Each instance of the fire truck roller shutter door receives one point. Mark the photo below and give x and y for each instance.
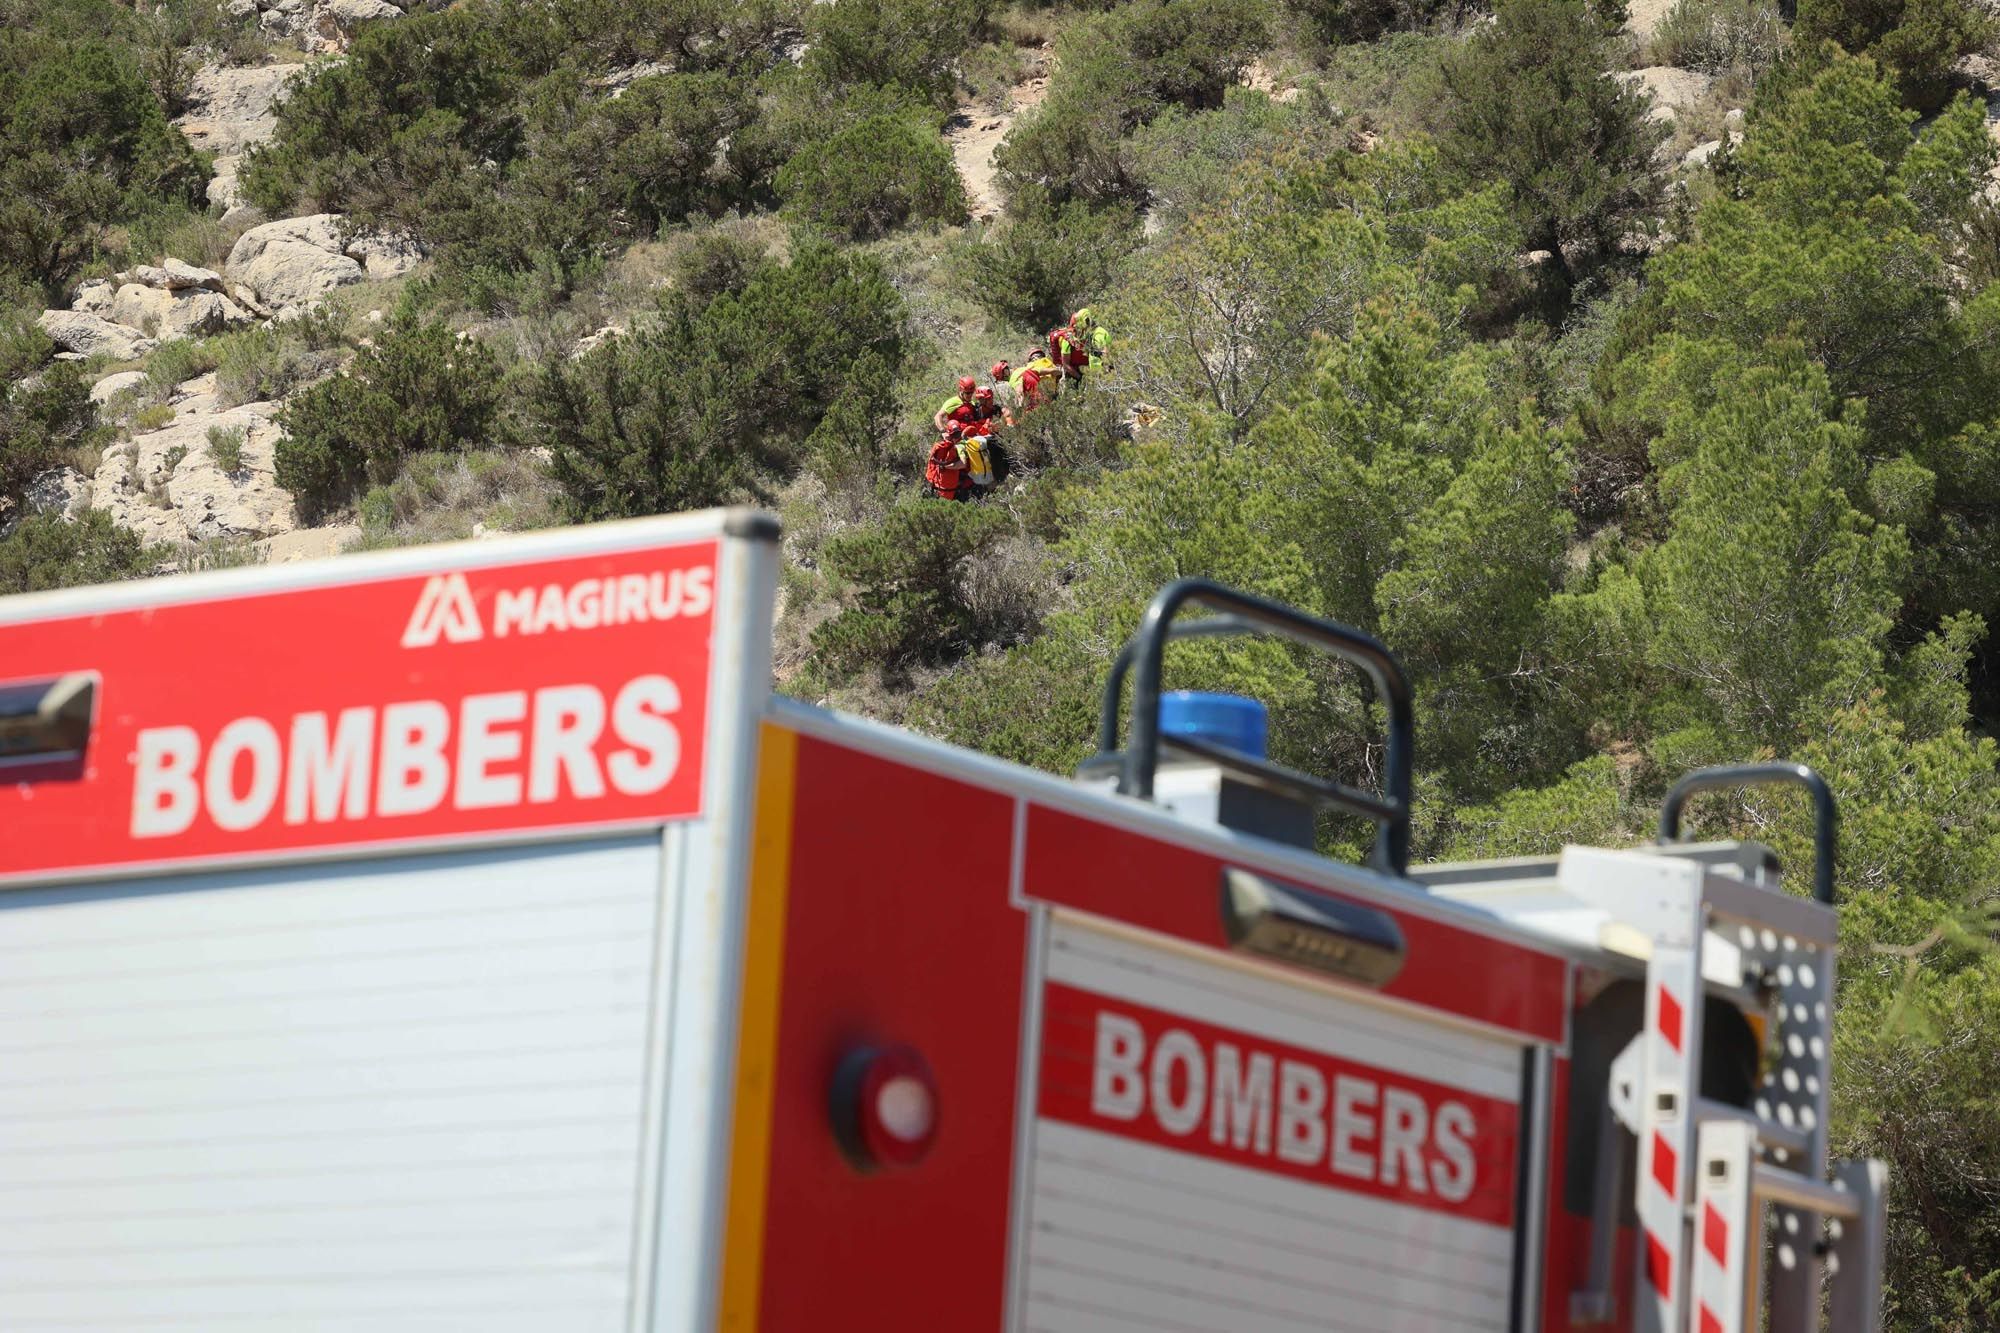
(1319, 1150)
(385, 1094)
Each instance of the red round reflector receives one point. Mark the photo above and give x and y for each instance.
(885, 1107)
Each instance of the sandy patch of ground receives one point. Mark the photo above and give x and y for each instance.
(973, 135)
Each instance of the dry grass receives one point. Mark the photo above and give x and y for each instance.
(448, 497)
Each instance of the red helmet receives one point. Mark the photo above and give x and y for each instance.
(1001, 369)
(965, 383)
(953, 429)
(984, 393)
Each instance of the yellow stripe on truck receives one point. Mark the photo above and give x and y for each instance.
(756, 1053)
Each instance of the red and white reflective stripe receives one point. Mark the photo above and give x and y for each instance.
(1724, 1233)
(1673, 981)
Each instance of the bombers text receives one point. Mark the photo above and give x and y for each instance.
(514, 747)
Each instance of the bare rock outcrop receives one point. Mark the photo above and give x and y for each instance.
(230, 111)
(1673, 90)
(323, 25)
(293, 262)
(95, 298)
(308, 543)
(111, 386)
(62, 491)
(170, 313)
(385, 255)
(168, 485)
(176, 275)
(85, 334)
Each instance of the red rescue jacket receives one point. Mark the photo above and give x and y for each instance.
(946, 469)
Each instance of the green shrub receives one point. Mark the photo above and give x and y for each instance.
(775, 357)
(420, 388)
(874, 176)
(590, 172)
(52, 219)
(1391, 85)
(912, 44)
(89, 103)
(1116, 73)
(1190, 161)
(714, 393)
(1043, 262)
(1916, 41)
(172, 364)
(714, 262)
(1338, 23)
(84, 144)
(442, 496)
(906, 587)
(414, 106)
(1529, 104)
(48, 551)
(990, 71)
(225, 446)
(151, 418)
(1078, 434)
(631, 434)
(654, 147)
(260, 365)
(23, 345)
(41, 426)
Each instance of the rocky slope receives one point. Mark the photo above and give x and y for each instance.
(164, 479)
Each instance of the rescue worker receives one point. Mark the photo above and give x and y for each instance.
(1069, 349)
(987, 409)
(945, 471)
(1003, 386)
(1035, 382)
(959, 406)
(1100, 347)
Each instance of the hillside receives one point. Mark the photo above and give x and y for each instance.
(1634, 375)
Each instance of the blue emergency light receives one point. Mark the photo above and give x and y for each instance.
(1227, 720)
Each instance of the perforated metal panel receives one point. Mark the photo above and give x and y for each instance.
(388, 1095)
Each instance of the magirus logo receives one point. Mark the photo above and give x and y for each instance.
(445, 609)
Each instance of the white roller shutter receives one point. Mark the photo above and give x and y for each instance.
(386, 1095)
(1129, 1231)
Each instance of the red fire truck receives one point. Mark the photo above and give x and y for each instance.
(467, 938)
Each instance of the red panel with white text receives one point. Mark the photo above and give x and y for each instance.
(548, 694)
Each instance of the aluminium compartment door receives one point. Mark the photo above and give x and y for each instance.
(393, 1094)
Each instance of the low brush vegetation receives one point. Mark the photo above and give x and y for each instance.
(1635, 470)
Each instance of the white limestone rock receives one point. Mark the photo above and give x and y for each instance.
(89, 335)
(111, 386)
(175, 275)
(1672, 90)
(95, 298)
(232, 108)
(293, 261)
(385, 254)
(190, 312)
(350, 13)
(61, 490)
(167, 486)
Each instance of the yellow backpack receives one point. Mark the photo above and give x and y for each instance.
(979, 465)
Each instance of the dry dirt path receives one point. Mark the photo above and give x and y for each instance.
(975, 132)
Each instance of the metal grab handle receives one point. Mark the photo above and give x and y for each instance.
(1245, 613)
(1826, 818)
(1114, 687)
